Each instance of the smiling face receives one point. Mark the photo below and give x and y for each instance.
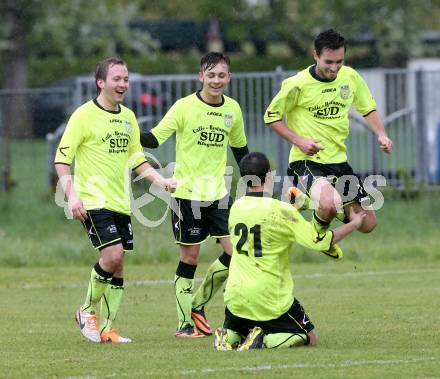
(329, 62)
(114, 87)
(214, 80)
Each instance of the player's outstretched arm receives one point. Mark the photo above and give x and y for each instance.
(375, 123)
(307, 146)
(146, 171)
(343, 231)
(149, 140)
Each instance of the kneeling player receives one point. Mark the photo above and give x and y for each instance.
(261, 310)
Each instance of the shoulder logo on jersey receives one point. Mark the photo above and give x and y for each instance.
(345, 91)
(62, 148)
(229, 120)
(273, 113)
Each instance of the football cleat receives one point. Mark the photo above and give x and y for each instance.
(334, 252)
(113, 336)
(88, 325)
(298, 199)
(188, 331)
(200, 321)
(221, 340)
(254, 340)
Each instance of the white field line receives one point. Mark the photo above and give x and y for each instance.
(147, 283)
(267, 367)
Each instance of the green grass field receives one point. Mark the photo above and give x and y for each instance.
(376, 311)
(373, 320)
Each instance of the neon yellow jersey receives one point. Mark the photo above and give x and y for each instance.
(203, 132)
(104, 145)
(319, 109)
(262, 230)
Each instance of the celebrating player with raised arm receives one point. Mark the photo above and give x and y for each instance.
(103, 137)
(316, 103)
(205, 123)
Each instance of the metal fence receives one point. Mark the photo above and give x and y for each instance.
(407, 99)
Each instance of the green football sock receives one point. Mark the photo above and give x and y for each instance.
(215, 277)
(184, 291)
(99, 280)
(303, 202)
(321, 226)
(233, 338)
(110, 303)
(280, 340)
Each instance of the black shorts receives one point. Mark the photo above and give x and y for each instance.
(340, 175)
(295, 321)
(193, 221)
(106, 228)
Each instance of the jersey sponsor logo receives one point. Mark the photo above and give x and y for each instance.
(118, 142)
(326, 90)
(229, 120)
(62, 148)
(128, 126)
(273, 113)
(329, 111)
(212, 137)
(345, 91)
(214, 114)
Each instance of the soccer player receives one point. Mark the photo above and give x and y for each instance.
(261, 310)
(102, 136)
(316, 102)
(205, 123)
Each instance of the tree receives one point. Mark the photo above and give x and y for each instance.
(67, 29)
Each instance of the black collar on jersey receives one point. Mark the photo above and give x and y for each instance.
(258, 194)
(210, 104)
(312, 70)
(95, 100)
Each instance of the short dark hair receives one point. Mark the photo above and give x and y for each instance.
(255, 165)
(329, 39)
(211, 59)
(102, 67)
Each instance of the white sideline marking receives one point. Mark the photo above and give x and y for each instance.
(307, 365)
(268, 367)
(141, 283)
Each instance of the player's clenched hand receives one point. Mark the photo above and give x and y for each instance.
(385, 143)
(309, 146)
(77, 208)
(170, 185)
(356, 218)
